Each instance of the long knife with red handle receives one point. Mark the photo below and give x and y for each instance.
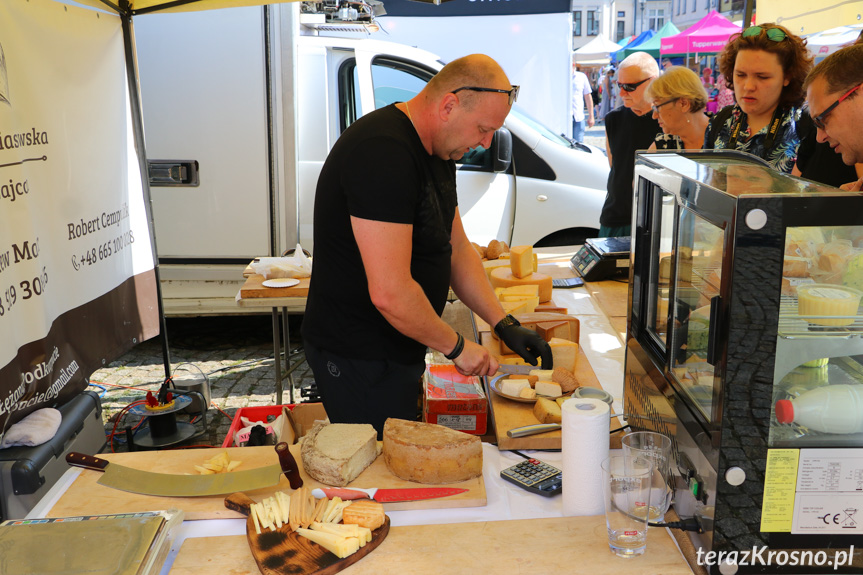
(387, 495)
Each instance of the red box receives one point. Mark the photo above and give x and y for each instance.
(454, 400)
(304, 416)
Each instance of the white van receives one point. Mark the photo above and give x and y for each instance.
(252, 106)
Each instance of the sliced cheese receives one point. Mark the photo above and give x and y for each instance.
(515, 307)
(513, 387)
(503, 277)
(548, 389)
(521, 261)
(527, 393)
(564, 353)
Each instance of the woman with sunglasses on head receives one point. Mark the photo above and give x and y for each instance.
(767, 65)
(679, 100)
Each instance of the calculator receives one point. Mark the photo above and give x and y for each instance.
(535, 476)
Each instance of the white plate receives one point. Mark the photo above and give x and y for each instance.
(281, 282)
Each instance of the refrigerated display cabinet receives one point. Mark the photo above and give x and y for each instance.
(744, 345)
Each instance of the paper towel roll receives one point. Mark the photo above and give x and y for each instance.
(584, 444)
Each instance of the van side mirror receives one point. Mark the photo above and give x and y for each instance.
(501, 150)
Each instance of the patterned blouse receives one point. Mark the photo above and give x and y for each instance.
(783, 153)
(665, 141)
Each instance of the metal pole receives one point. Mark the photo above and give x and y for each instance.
(138, 132)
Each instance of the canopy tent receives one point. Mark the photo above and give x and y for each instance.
(633, 45)
(595, 52)
(707, 36)
(651, 46)
(828, 41)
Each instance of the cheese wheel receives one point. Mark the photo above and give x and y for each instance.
(489, 265)
(336, 453)
(828, 300)
(503, 277)
(564, 353)
(521, 261)
(429, 453)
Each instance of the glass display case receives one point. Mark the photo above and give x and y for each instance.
(745, 346)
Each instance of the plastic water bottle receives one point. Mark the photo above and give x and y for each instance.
(828, 409)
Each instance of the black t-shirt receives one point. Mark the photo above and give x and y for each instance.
(377, 170)
(819, 163)
(627, 132)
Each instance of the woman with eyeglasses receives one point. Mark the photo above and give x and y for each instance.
(678, 100)
(767, 65)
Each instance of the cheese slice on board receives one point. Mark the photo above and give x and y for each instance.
(564, 353)
(503, 277)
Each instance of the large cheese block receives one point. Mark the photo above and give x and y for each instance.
(564, 353)
(336, 453)
(502, 277)
(521, 261)
(429, 453)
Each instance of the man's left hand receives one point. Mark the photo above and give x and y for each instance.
(528, 344)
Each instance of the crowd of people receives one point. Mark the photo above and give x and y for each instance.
(763, 113)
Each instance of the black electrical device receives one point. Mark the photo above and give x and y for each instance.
(535, 476)
(602, 258)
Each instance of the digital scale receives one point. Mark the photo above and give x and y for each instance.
(602, 258)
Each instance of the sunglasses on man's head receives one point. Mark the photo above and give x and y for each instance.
(631, 87)
(513, 94)
(775, 34)
(819, 119)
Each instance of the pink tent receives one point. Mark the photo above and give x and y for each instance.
(707, 36)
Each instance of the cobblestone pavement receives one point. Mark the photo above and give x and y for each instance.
(235, 353)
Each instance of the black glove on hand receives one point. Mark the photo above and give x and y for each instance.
(524, 342)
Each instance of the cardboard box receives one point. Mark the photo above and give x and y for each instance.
(303, 416)
(454, 400)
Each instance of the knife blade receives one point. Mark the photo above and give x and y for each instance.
(532, 429)
(387, 495)
(176, 485)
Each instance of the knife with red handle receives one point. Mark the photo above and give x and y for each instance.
(387, 495)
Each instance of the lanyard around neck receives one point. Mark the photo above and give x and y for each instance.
(775, 122)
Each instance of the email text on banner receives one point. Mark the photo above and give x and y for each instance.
(45, 369)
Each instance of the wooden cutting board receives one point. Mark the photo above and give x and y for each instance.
(553, 545)
(254, 288)
(86, 497)
(283, 551)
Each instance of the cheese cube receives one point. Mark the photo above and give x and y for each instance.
(548, 389)
(547, 411)
(527, 393)
(542, 374)
(564, 353)
(521, 261)
(513, 386)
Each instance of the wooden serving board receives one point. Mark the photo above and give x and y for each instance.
(283, 551)
(86, 497)
(254, 288)
(552, 545)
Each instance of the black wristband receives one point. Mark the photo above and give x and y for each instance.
(456, 351)
(505, 323)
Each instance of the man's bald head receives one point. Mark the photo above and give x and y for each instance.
(643, 61)
(474, 70)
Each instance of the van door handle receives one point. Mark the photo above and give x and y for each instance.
(541, 198)
(172, 173)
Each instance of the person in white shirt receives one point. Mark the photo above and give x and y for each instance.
(581, 99)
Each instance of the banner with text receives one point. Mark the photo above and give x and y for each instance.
(77, 280)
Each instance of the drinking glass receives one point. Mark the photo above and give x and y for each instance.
(656, 448)
(626, 491)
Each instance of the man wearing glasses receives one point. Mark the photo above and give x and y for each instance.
(627, 129)
(389, 243)
(833, 93)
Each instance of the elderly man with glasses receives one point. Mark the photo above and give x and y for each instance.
(389, 243)
(834, 93)
(627, 129)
